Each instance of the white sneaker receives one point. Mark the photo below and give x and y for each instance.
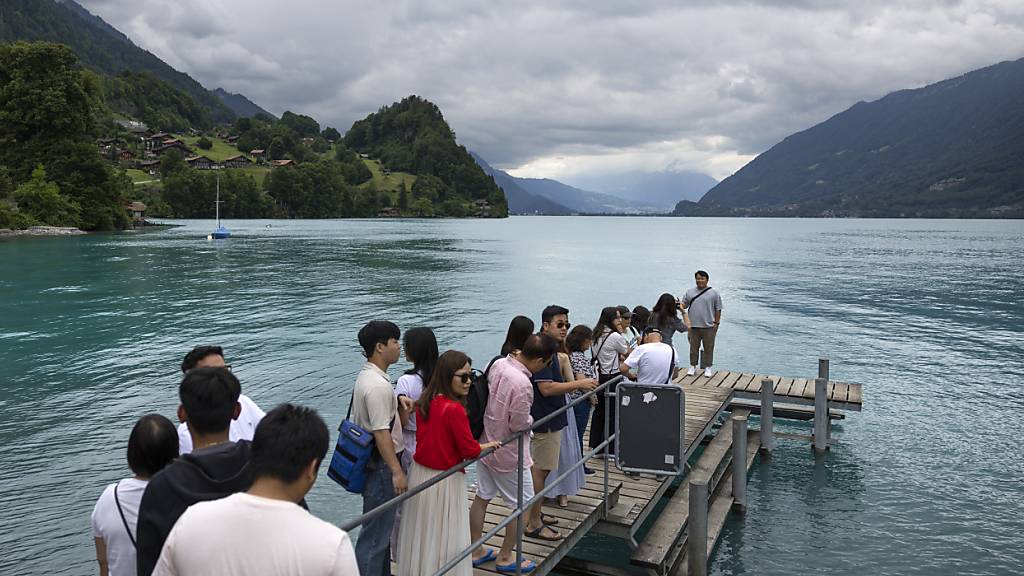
(691, 371)
(708, 372)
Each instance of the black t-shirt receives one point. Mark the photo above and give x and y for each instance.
(544, 405)
(207, 474)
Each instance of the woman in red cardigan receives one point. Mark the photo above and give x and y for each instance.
(435, 523)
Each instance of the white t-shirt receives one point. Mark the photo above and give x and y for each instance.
(241, 429)
(607, 352)
(410, 385)
(651, 362)
(244, 534)
(375, 406)
(107, 523)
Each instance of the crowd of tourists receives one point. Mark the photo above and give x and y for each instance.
(224, 492)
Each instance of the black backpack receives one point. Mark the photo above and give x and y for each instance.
(476, 400)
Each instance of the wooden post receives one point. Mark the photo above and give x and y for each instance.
(697, 529)
(823, 368)
(767, 414)
(820, 414)
(739, 463)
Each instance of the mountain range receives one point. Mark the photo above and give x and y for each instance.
(661, 189)
(551, 197)
(951, 149)
(240, 105)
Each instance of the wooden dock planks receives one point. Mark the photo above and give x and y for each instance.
(841, 395)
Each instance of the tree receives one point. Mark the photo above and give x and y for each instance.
(172, 163)
(301, 124)
(41, 200)
(204, 143)
(277, 149)
(331, 134)
(403, 198)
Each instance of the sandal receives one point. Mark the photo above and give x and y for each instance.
(528, 566)
(486, 558)
(539, 534)
(549, 520)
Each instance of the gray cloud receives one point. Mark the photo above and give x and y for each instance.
(559, 87)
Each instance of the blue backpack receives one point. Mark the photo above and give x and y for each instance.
(353, 452)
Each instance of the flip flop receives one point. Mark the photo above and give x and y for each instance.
(530, 565)
(549, 520)
(538, 534)
(487, 558)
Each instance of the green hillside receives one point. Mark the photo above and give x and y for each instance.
(99, 47)
(412, 136)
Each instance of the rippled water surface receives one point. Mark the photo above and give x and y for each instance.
(927, 315)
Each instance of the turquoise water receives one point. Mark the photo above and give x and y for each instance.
(926, 314)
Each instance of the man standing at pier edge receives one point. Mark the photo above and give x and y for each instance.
(375, 408)
(704, 305)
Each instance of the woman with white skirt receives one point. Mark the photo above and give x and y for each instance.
(435, 523)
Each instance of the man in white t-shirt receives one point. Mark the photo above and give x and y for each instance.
(152, 444)
(653, 362)
(243, 427)
(264, 530)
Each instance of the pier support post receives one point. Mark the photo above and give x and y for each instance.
(697, 529)
(820, 414)
(767, 414)
(823, 373)
(739, 463)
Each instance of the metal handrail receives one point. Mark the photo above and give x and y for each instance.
(521, 507)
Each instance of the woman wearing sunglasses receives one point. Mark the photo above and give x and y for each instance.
(435, 523)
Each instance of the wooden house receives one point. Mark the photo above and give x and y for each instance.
(137, 211)
(237, 161)
(199, 162)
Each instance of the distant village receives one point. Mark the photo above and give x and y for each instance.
(145, 151)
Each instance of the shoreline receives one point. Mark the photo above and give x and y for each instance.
(42, 231)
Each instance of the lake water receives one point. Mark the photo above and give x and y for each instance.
(927, 315)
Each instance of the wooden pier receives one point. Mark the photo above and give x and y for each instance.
(702, 498)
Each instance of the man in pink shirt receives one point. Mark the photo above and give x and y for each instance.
(508, 412)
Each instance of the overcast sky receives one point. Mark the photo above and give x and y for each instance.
(555, 88)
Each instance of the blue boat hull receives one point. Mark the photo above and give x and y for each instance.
(221, 233)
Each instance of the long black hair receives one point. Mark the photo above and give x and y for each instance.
(421, 347)
(641, 317)
(606, 321)
(664, 311)
(518, 331)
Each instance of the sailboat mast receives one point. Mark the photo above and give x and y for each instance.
(218, 201)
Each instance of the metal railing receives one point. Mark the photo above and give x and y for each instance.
(521, 507)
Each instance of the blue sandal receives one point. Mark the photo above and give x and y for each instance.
(486, 558)
(511, 568)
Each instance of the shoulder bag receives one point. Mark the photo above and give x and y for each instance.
(352, 453)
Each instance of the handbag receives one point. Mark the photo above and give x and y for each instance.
(352, 454)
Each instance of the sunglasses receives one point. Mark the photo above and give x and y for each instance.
(561, 325)
(465, 377)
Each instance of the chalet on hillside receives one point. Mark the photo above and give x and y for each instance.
(278, 163)
(231, 139)
(199, 162)
(126, 156)
(258, 154)
(172, 143)
(389, 212)
(156, 140)
(237, 161)
(307, 141)
(150, 166)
